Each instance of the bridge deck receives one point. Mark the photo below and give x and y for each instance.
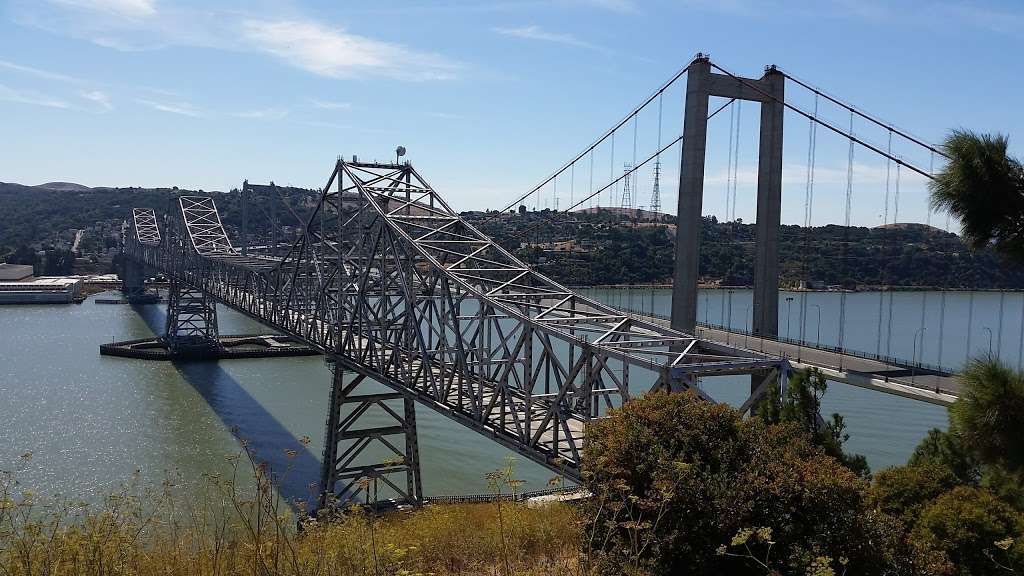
(928, 386)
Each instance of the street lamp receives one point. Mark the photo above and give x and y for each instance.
(817, 334)
(746, 325)
(913, 358)
(989, 330)
(789, 306)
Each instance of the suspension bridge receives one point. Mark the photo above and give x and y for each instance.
(394, 286)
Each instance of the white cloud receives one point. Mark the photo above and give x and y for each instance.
(262, 114)
(29, 97)
(332, 52)
(181, 109)
(537, 33)
(120, 8)
(331, 105)
(37, 72)
(100, 98)
(621, 6)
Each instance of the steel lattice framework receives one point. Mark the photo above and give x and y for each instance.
(396, 287)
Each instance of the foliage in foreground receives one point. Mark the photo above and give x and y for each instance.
(686, 486)
(229, 529)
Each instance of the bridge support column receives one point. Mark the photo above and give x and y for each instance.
(191, 328)
(133, 278)
(352, 465)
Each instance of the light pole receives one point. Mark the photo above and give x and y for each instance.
(913, 358)
(989, 330)
(817, 333)
(789, 306)
(746, 325)
(728, 324)
(707, 309)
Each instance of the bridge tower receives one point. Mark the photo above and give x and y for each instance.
(191, 327)
(352, 465)
(769, 91)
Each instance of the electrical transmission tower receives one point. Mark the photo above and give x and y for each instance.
(627, 197)
(656, 191)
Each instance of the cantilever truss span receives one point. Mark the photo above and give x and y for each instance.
(397, 287)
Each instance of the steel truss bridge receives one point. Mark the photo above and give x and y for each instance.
(395, 287)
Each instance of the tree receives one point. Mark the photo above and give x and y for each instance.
(978, 533)
(904, 491)
(984, 188)
(802, 406)
(677, 480)
(990, 413)
(947, 450)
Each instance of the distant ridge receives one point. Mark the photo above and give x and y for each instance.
(64, 187)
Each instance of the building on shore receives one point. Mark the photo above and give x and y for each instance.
(18, 286)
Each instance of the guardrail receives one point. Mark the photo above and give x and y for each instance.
(891, 360)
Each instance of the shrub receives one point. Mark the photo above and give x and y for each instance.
(977, 532)
(676, 478)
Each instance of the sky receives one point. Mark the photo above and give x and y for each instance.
(489, 98)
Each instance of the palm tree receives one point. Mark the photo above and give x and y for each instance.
(984, 188)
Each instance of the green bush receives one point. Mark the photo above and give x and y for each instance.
(679, 481)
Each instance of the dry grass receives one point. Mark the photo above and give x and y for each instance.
(233, 527)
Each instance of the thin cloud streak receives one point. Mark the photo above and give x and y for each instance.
(262, 114)
(99, 98)
(9, 94)
(534, 32)
(119, 8)
(181, 109)
(38, 72)
(334, 53)
(329, 105)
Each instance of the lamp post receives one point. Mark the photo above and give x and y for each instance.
(913, 358)
(817, 333)
(746, 325)
(789, 306)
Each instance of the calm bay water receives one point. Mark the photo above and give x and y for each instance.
(91, 421)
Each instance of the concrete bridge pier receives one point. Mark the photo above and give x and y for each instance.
(133, 281)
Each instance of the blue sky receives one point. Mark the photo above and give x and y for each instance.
(488, 97)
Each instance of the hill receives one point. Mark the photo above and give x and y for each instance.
(63, 186)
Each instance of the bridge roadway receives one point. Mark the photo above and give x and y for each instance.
(919, 384)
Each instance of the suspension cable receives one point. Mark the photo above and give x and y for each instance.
(682, 71)
(862, 114)
(837, 130)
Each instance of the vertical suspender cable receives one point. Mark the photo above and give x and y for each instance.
(728, 163)
(736, 161)
(846, 242)
(808, 192)
(612, 192)
(1020, 343)
(892, 294)
(885, 245)
(999, 337)
(970, 326)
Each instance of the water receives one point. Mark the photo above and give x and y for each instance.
(91, 421)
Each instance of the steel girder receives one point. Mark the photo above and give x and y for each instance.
(401, 289)
(191, 326)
